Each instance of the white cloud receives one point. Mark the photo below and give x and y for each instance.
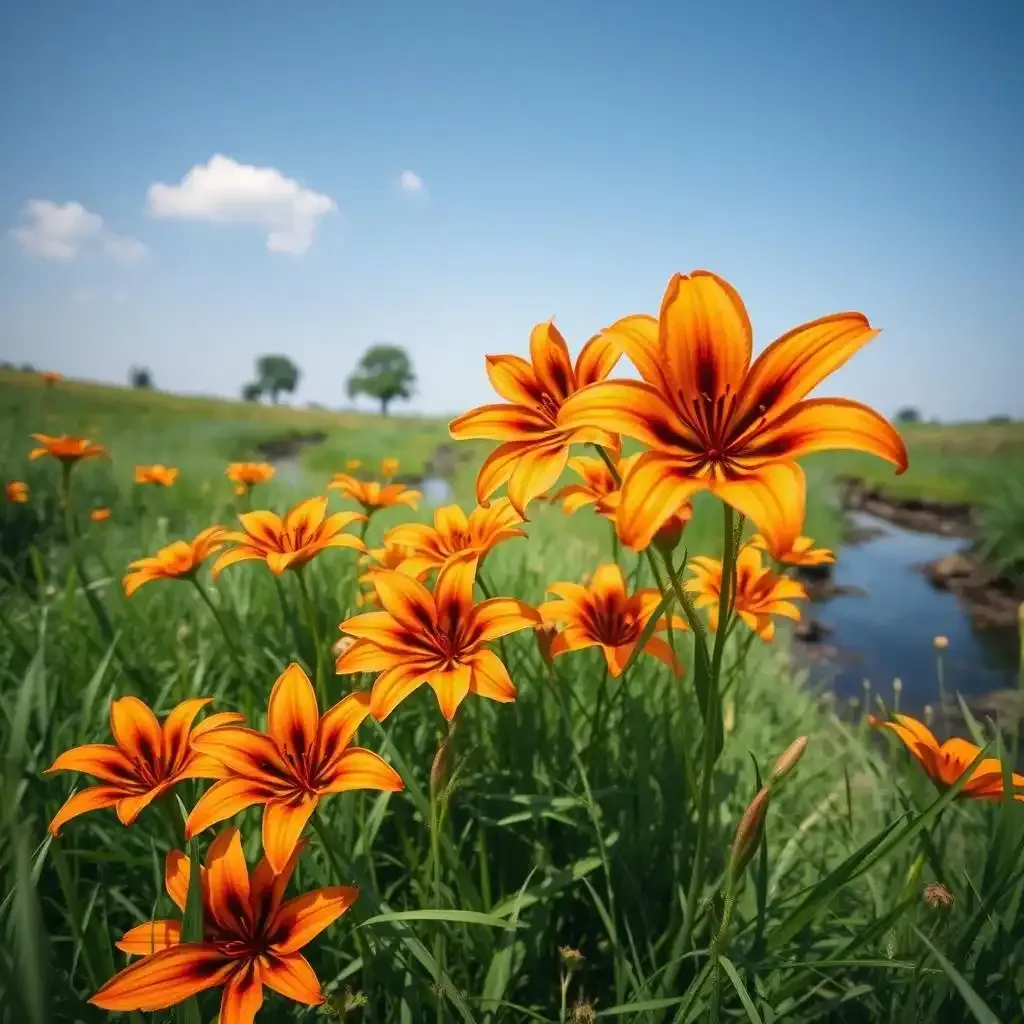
(123, 249)
(410, 181)
(60, 231)
(223, 191)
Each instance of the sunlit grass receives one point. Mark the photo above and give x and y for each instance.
(554, 833)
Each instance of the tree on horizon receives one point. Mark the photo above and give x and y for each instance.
(384, 373)
(277, 373)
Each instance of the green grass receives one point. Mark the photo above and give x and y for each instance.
(558, 831)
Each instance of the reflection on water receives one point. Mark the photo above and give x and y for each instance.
(436, 490)
(888, 630)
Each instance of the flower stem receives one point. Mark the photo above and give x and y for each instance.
(712, 721)
(438, 798)
(236, 651)
(314, 630)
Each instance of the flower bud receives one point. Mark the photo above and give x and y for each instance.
(440, 767)
(545, 635)
(941, 642)
(583, 1013)
(667, 539)
(788, 759)
(572, 959)
(748, 835)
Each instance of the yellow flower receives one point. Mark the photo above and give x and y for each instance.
(373, 495)
(16, 491)
(289, 543)
(66, 448)
(163, 476)
(176, 561)
(388, 468)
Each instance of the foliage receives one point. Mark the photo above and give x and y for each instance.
(384, 373)
(1000, 539)
(252, 392)
(276, 374)
(569, 816)
(140, 377)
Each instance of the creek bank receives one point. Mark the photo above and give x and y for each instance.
(990, 600)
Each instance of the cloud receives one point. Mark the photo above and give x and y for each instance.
(411, 182)
(60, 231)
(223, 191)
(123, 249)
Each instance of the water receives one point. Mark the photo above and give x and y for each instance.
(887, 631)
(436, 490)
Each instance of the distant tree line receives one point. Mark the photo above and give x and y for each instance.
(384, 373)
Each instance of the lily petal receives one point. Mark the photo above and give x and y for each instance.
(302, 919)
(92, 799)
(223, 800)
(773, 497)
(549, 355)
(283, 822)
(150, 937)
(357, 768)
(292, 977)
(656, 486)
(293, 715)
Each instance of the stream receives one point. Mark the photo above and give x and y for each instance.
(884, 628)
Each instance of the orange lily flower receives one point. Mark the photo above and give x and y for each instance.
(760, 592)
(436, 638)
(454, 533)
(373, 495)
(16, 491)
(247, 474)
(714, 421)
(289, 543)
(100, 515)
(599, 487)
(176, 561)
(945, 763)
(251, 939)
(301, 757)
(388, 468)
(163, 476)
(390, 556)
(66, 448)
(601, 614)
(50, 377)
(801, 551)
(144, 761)
(535, 437)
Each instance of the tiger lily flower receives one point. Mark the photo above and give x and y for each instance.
(760, 593)
(713, 421)
(16, 491)
(602, 614)
(144, 761)
(245, 475)
(289, 543)
(454, 532)
(176, 561)
(801, 551)
(945, 763)
(535, 437)
(162, 476)
(67, 448)
(373, 495)
(388, 468)
(300, 758)
(436, 638)
(251, 938)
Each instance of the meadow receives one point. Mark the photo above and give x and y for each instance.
(603, 847)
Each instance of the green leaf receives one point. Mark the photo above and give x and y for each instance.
(741, 991)
(648, 631)
(452, 916)
(979, 1010)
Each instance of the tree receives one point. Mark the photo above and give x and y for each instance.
(384, 373)
(276, 374)
(908, 414)
(140, 377)
(252, 392)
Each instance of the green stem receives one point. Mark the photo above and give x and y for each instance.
(229, 636)
(314, 629)
(437, 812)
(718, 945)
(615, 543)
(711, 726)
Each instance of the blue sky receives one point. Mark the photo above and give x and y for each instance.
(572, 156)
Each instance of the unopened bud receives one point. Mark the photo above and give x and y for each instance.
(942, 642)
(788, 759)
(545, 635)
(572, 959)
(748, 834)
(667, 539)
(440, 767)
(928, 714)
(897, 685)
(342, 644)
